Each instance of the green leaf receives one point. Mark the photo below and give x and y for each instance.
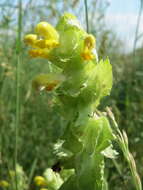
(89, 162)
(104, 77)
(95, 136)
(71, 143)
(70, 184)
(99, 83)
(99, 132)
(105, 135)
(90, 171)
(71, 42)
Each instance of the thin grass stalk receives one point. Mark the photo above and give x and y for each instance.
(86, 15)
(137, 27)
(18, 54)
(32, 171)
(122, 140)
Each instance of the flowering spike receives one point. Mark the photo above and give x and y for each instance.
(79, 84)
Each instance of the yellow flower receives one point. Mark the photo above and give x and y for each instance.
(4, 183)
(47, 31)
(46, 39)
(46, 43)
(87, 55)
(89, 46)
(30, 39)
(40, 181)
(47, 81)
(90, 41)
(39, 53)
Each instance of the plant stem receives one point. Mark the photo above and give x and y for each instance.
(86, 15)
(137, 27)
(122, 140)
(18, 54)
(32, 171)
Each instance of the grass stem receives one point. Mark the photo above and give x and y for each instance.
(122, 140)
(18, 54)
(86, 15)
(137, 27)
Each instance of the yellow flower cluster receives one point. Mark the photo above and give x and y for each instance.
(45, 39)
(4, 184)
(89, 46)
(40, 181)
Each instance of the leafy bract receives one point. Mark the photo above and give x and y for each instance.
(100, 134)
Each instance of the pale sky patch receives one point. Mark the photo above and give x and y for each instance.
(121, 17)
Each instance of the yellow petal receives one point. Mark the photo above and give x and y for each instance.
(41, 43)
(87, 54)
(52, 43)
(40, 181)
(89, 46)
(44, 53)
(89, 41)
(35, 53)
(46, 44)
(30, 39)
(47, 30)
(4, 183)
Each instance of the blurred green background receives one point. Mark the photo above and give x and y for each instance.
(40, 122)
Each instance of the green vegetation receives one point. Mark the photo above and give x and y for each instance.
(31, 122)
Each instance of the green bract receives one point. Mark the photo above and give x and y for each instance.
(79, 87)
